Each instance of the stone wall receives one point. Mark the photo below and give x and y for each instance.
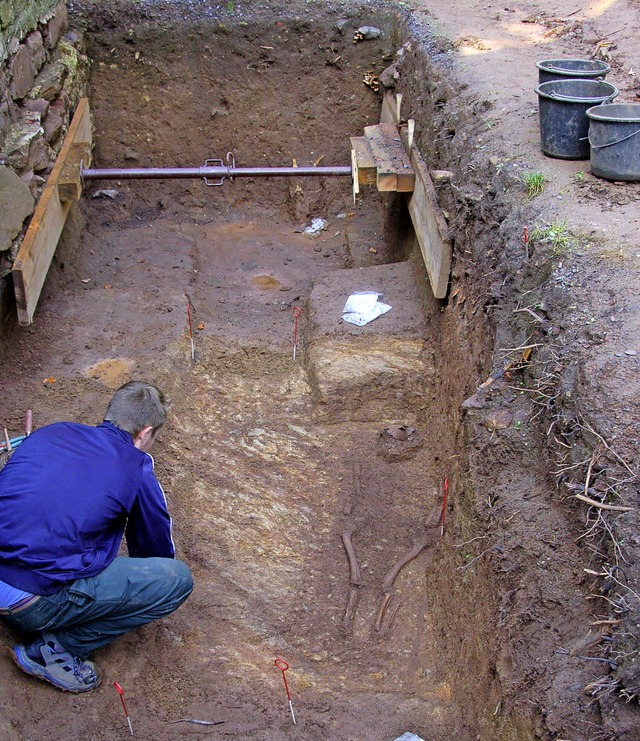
(43, 73)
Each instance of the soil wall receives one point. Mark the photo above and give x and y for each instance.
(518, 410)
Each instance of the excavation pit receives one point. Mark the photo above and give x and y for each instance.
(272, 463)
(267, 460)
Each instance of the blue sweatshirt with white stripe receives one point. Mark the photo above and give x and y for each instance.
(67, 495)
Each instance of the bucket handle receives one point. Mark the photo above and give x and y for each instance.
(611, 144)
(551, 67)
(556, 96)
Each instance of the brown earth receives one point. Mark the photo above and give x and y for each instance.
(521, 620)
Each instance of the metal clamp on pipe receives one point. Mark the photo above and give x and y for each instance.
(231, 163)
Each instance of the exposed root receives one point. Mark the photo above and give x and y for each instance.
(414, 552)
(354, 568)
(350, 611)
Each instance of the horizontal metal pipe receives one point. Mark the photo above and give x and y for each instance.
(159, 173)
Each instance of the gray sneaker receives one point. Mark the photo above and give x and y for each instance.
(46, 659)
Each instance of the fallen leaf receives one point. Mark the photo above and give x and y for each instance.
(200, 326)
(49, 380)
(108, 285)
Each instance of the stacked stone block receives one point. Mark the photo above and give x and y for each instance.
(43, 74)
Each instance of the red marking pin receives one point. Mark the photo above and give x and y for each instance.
(283, 666)
(124, 705)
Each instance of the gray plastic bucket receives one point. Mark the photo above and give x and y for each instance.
(564, 126)
(576, 69)
(614, 136)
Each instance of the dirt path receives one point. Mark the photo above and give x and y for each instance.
(269, 461)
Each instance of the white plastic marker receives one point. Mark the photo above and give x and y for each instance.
(124, 705)
(193, 349)
(283, 666)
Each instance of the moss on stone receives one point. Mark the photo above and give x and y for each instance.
(20, 17)
(68, 56)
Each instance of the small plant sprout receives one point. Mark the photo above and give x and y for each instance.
(534, 183)
(580, 176)
(555, 235)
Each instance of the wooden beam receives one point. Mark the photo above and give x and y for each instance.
(386, 176)
(394, 172)
(41, 238)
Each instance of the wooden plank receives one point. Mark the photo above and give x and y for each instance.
(363, 160)
(70, 180)
(394, 171)
(431, 227)
(41, 238)
(428, 220)
(388, 113)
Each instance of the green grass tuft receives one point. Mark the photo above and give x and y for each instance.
(556, 236)
(534, 183)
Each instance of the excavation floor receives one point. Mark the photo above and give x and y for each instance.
(261, 488)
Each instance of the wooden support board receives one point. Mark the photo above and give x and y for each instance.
(41, 238)
(70, 180)
(364, 164)
(428, 220)
(393, 168)
(431, 227)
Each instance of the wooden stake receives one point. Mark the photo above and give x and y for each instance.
(411, 125)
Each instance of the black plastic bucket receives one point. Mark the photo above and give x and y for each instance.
(576, 69)
(564, 126)
(614, 136)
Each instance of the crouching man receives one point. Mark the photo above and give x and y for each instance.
(68, 495)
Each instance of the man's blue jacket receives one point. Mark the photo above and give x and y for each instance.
(67, 495)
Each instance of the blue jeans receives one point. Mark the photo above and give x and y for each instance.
(90, 613)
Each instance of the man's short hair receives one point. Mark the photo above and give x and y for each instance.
(137, 405)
